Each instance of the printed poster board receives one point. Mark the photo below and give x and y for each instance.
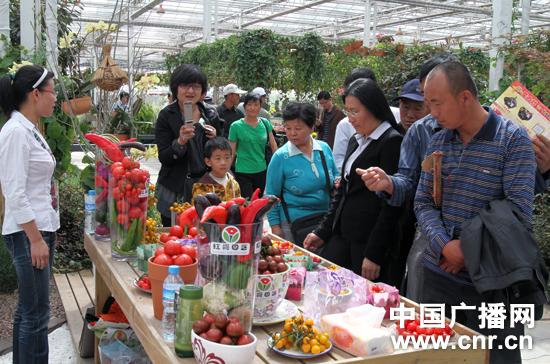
(517, 103)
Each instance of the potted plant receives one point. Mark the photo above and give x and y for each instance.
(120, 125)
(78, 88)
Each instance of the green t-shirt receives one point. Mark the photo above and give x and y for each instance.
(250, 145)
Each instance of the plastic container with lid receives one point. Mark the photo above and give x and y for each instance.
(189, 310)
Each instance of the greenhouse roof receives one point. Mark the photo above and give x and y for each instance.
(181, 25)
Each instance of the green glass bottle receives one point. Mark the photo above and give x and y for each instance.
(189, 310)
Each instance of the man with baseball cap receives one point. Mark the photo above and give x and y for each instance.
(411, 104)
(263, 112)
(227, 111)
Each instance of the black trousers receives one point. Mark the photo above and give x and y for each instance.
(440, 289)
(249, 182)
(349, 255)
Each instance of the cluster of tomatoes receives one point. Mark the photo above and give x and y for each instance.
(144, 283)
(315, 258)
(151, 236)
(173, 253)
(285, 246)
(177, 232)
(129, 181)
(376, 289)
(222, 329)
(301, 335)
(412, 328)
(271, 260)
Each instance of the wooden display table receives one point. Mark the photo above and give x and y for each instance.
(116, 278)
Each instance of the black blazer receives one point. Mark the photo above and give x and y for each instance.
(359, 215)
(175, 170)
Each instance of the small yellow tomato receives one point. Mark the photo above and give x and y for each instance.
(288, 327)
(306, 348)
(288, 346)
(309, 322)
(313, 342)
(323, 339)
(279, 345)
(315, 349)
(322, 347)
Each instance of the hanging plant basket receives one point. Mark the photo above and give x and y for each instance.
(78, 106)
(365, 50)
(356, 44)
(380, 53)
(109, 76)
(400, 48)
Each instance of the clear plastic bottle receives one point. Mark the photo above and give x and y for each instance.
(171, 284)
(89, 207)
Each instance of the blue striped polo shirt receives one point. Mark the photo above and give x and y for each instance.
(497, 163)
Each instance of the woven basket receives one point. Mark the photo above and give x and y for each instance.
(109, 76)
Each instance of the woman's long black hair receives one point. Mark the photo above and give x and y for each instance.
(372, 98)
(14, 89)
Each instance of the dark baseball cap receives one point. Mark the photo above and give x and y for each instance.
(411, 90)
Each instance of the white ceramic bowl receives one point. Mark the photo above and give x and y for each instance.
(210, 352)
(270, 292)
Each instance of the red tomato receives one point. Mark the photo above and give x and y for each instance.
(163, 259)
(209, 319)
(172, 247)
(133, 199)
(176, 230)
(411, 327)
(159, 251)
(136, 175)
(192, 231)
(190, 251)
(122, 219)
(115, 165)
(234, 329)
(123, 206)
(119, 172)
(183, 259)
(140, 284)
(143, 204)
(116, 193)
(164, 237)
(134, 213)
(146, 280)
(244, 340)
(420, 330)
(439, 330)
(226, 340)
(129, 163)
(146, 286)
(214, 335)
(430, 331)
(200, 326)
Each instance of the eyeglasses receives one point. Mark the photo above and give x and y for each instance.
(353, 114)
(196, 87)
(52, 92)
(323, 103)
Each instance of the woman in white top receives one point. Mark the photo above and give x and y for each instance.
(31, 219)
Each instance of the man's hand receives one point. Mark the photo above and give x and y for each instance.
(370, 270)
(337, 182)
(542, 152)
(312, 242)
(452, 260)
(186, 133)
(376, 179)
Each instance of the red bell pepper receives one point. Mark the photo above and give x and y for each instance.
(188, 217)
(239, 200)
(102, 195)
(218, 213)
(110, 148)
(99, 181)
(247, 218)
(126, 141)
(255, 195)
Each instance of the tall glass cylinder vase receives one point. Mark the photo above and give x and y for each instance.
(102, 229)
(228, 262)
(128, 216)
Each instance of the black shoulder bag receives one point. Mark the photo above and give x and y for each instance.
(304, 225)
(268, 150)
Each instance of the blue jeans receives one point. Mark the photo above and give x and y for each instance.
(30, 326)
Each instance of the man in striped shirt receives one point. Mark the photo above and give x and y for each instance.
(485, 157)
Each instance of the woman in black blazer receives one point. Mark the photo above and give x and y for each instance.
(181, 145)
(361, 231)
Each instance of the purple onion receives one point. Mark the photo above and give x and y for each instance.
(103, 171)
(102, 230)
